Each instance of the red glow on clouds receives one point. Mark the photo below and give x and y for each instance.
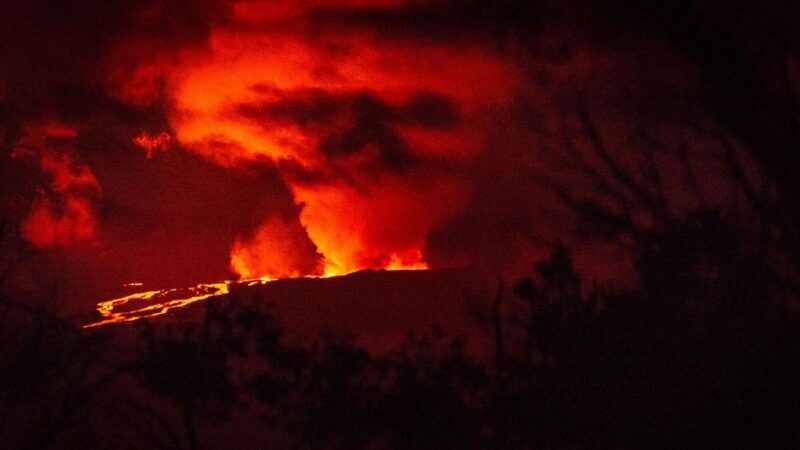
(152, 144)
(64, 213)
(345, 115)
(273, 252)
(366, 132)
(48, 225)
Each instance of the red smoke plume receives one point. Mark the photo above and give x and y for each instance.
(63, 214)
(366, 132)
(312, 137)
(276, 251)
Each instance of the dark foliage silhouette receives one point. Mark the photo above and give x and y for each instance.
(701, 356)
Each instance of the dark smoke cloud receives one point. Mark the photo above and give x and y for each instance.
(52, 50)
(317, 109)
(454, 21)
(352, 124)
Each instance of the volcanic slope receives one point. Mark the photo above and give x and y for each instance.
(377, 307)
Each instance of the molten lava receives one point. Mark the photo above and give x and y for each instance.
(148, 304)
(160, 302)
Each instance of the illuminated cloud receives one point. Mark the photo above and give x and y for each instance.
(279, 249)
(381, 133)
(64, 212)
(367, 133)
(152, 144)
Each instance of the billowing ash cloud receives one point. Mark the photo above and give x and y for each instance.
(276, 139)
(367, 133)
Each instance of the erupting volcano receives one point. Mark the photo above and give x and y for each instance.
(368, 135)
(342, 148)
(399, 224)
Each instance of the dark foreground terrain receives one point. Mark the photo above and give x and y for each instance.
(701, 356)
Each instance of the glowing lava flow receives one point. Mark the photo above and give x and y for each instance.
(201, 292)
(168, 299)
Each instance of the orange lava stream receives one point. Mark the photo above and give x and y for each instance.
(111, 315)
(106, 308)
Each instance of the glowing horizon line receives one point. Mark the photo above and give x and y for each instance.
(108, 316)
